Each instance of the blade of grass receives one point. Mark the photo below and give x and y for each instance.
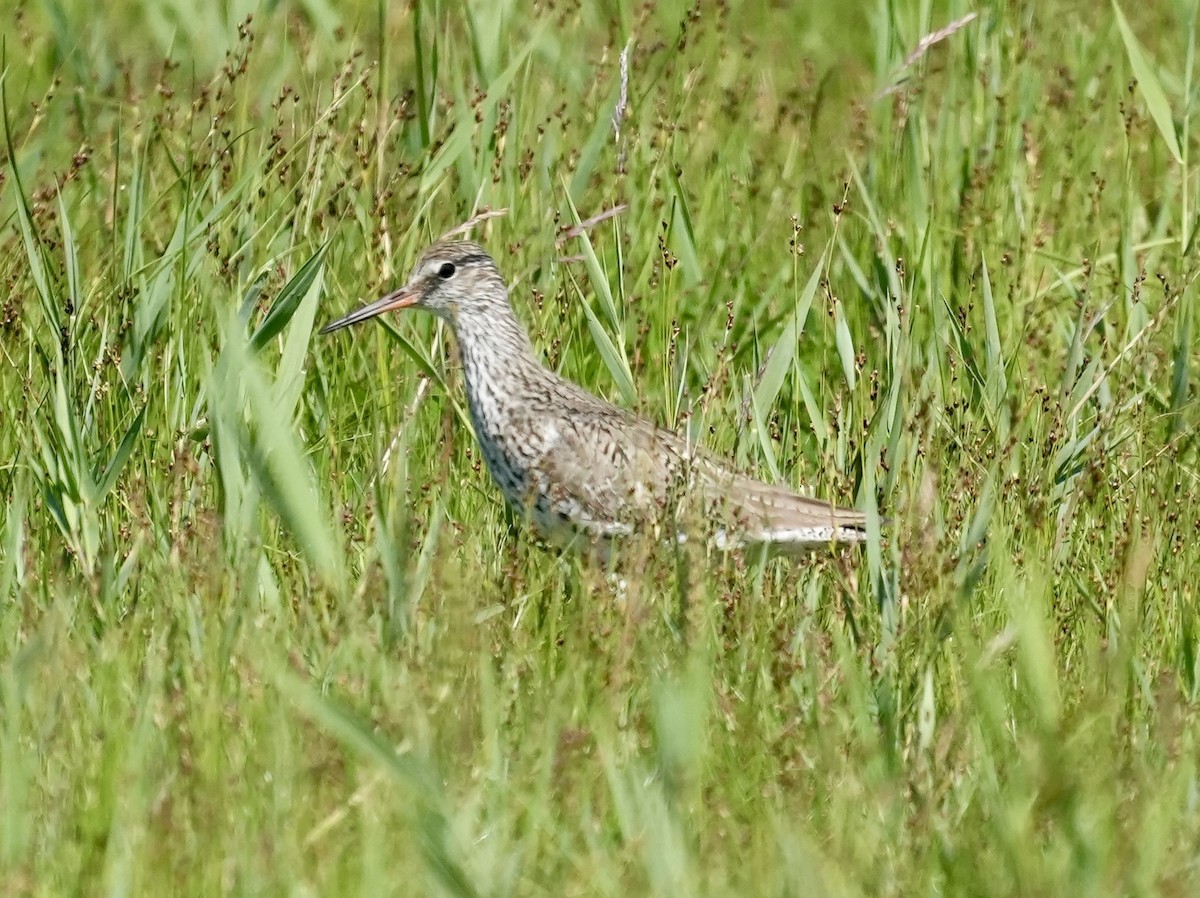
(273, 453)
(782, 357)
(996, 386)
(614, 358)
(845, 345)
(289, 299)
(428, 813)
(108, 479)
(1148, 84)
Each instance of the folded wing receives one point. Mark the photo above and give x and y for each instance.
(627, 473)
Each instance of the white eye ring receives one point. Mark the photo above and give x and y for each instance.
(446, 271)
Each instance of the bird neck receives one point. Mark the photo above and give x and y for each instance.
(498, 359)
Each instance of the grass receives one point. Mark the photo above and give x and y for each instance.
(266, 626)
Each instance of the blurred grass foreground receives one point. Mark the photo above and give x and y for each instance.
(265, 625)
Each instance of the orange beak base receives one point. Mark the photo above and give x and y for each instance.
(398, 299)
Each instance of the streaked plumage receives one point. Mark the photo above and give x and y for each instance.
(575, 464)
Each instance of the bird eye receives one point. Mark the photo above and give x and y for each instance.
(446, 271)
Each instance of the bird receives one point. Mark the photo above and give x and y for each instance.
(576, 467)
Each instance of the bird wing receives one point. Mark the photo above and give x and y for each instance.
(764, 513)
(740, 510)
(609, 471)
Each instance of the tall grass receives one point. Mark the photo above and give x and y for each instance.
(266, 626)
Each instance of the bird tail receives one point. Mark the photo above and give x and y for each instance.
(763, 513)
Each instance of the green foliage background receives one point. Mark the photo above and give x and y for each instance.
(265, 627)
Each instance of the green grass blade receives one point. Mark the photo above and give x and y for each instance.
(597, 275)
(1181, 366)
(614, 358)
(289, 299)
(816, 420)
(273, 453)
(845, 345)
(358, 736)
(763, 432)
(782, 356)
(996, 386)
(34, 252)
(70, 258)
(589, 158)
(108, 479)
(682, 231)
(1149, 86)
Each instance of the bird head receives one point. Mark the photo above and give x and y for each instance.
(452, 278)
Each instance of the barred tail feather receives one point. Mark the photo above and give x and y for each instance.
(773, 515)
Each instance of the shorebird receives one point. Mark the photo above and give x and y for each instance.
(575, 466)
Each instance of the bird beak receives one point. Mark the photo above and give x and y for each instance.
(399, 299)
